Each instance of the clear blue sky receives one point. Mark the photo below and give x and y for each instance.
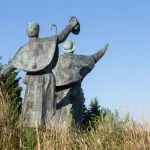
(121, 80)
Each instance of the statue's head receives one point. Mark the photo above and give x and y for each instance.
(33, 29)
(68, 46)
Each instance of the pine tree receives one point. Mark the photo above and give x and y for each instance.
(93, 112)
(96, 112)
(10, 96)
(94, 109)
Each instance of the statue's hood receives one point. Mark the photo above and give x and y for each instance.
(35, 55)
(72, 68)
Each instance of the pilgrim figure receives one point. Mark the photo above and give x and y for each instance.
(69, 72)
(37, 58)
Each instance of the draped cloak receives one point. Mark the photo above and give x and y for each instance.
(72, 68)
(38, 57)
(69, 73)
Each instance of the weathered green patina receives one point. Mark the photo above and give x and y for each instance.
(69, 72)
(37, 58)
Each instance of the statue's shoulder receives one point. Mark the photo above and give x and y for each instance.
(35, 55)
(51, 38)
(74, 57)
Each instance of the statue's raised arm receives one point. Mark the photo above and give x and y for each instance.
(73, 27)
(100, 53)
(72, 68)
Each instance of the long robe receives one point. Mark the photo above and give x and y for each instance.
(37, 58)
(69, 72)
(39, 101)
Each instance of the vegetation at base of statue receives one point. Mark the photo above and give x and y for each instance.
(10, 95)
(102, 129)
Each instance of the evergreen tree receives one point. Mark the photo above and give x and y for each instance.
(94, 109)
(10, 95)
(96, 112)
(93, 112)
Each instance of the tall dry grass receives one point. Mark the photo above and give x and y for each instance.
(109, 134)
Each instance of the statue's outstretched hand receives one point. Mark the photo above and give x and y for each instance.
(105, 47)
(97, 56)
(73, 21)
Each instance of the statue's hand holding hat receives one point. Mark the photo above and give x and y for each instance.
(75, 25)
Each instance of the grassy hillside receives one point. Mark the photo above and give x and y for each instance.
(109, 134)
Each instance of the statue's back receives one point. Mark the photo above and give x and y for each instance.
(35, 55)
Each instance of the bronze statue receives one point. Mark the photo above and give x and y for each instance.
(37, 58)
(69, 72)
